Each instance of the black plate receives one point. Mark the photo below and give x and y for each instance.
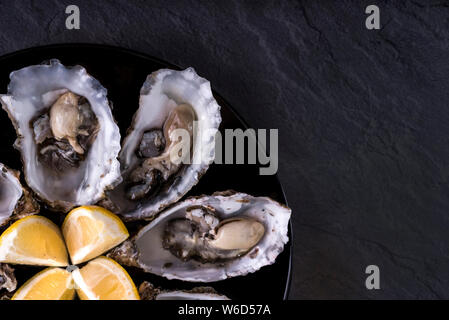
(122, 72)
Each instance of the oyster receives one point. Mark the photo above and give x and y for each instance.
(209, 238)
(158, 164)
(15, 201)
(7, 279)
(66, 133)
(148, 292)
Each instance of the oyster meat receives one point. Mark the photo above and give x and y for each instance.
(209, 238)
(169, 145)
(15, 201)
(67, 136)
(147, 291)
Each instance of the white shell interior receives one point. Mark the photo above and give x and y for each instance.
(162, 91)
(10, 193)
(275, 217)
(31, 92)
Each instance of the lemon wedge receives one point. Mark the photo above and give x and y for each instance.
(49, 284)
(89, 231)
(33, 240)
(104, 279)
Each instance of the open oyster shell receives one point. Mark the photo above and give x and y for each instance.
(201, 257)
(169, 100)
(54, 108)
(15, 201)
(147, 291)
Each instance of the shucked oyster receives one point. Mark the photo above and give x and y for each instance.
(15, 201)
(66, 134)
(169, 145)
(148, 292)
(209, 238)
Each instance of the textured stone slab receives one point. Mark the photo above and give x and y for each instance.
(363, 118)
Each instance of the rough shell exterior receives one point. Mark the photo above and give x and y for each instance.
(148, 291)
(16, 201)
(7, 279)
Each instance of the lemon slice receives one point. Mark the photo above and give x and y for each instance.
(104, 279)
(49, 284)
(90, 231)
(33, 240)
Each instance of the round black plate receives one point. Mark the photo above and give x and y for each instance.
(123, 72)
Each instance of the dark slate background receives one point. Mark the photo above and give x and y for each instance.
(362, 115)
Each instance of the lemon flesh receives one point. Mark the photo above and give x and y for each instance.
(33, 240)
(104, 279)
(89, 231)
(49, 284)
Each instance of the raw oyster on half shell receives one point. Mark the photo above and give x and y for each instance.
(66, 134)
(158, 165)
(209, 238)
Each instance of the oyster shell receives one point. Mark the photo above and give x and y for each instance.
(147, 291)
(169, 100)
(7, 279)
(209, 238)
(15, 201)
(66, 133)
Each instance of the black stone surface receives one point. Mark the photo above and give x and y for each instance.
(362, 115)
